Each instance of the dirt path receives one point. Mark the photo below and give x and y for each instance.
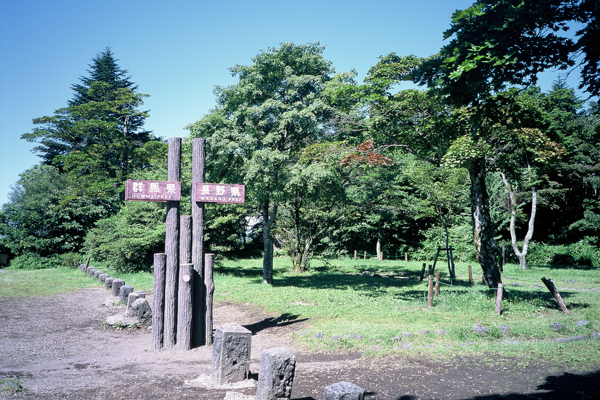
(59, 349)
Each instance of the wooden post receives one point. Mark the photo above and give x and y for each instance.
(406, 256)
(381, 257)
(499, 299)
(430, 291)
(365, 257)
(186, 276)
(185, 239)
(422, 272)
(436, 256)
(158, 301)
(354, 255)
(550, 285)
(198, 295)
(209, 286)
(437, 282)
(172, 247)
(87, 264)
(470, 275)
(184, 309)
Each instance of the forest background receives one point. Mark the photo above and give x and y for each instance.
(333, 166)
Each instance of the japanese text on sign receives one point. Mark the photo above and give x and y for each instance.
(152, 190)
(220, 193)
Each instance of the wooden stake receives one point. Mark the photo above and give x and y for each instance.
(365, 257)
(184, 309)
(354, 255)
(422, 272)
(198, 295)
(209, 260)
(405, 257)
(87, 264)
(437, 282)
(430, 292)
(172, 247)
(470, 275)
(158, 301)
(499, 299)
(550, 285)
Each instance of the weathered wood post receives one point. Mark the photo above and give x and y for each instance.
(87, 264)
(470, 275)
(499, 299)
(172, 247)
(365, 256)
(186, 274)
(184, 309)
(405, 256)
(422, 272)
(354, 255)
(430, 288)
(550, 285)
(198, 296)
(437, 282)
(209, 287)
(158, 301)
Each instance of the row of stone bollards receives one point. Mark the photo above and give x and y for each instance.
(138, 309)
(231, 364)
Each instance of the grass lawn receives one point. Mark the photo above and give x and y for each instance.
(338, 298)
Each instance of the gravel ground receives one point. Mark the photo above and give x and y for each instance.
(58, 348)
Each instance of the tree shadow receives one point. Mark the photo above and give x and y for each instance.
(270, 322)
(566, 386)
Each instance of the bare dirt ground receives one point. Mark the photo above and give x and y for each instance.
(58, 348)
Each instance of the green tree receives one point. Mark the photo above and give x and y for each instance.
(43, 217)
(262, 123)
(98, 135)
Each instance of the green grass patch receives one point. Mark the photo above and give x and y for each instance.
(382, 300)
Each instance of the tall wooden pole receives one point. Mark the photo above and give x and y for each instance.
(209, 286)
(198, 296)
(158, 301)
(184, 309)
(185, 239)
(172, 247)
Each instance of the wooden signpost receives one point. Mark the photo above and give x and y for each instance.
(183, 285)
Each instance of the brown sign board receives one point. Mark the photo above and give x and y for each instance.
(152, 190)
(220, 193)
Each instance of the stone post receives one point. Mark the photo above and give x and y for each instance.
(124, 292)
(344, 391)
(276, 375)
(231, 354)
(116, 286)
(108, 283)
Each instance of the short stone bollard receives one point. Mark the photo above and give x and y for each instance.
(102, 278)
(133, 296)
(124, 292)
(97, 273)
(91, 271)
(344, 391)
(141, 310)
(231, 354)
(116, 286)
(276, 375)
(108, 283)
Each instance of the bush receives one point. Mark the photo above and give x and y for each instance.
(70, 260)
(583, 253)
(35, 261)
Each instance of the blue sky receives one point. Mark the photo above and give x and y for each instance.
(177, 51)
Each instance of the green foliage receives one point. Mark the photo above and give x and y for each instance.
(497, 43)
(583, 253)
(128, 240)
(45, 215)
(32, 261)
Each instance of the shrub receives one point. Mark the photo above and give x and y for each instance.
(35, 261)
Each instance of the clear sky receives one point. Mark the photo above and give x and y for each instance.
(177, 51)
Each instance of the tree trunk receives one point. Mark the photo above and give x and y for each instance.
(268, 243)
(483, 228)
(378, 245)
(522, 255)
